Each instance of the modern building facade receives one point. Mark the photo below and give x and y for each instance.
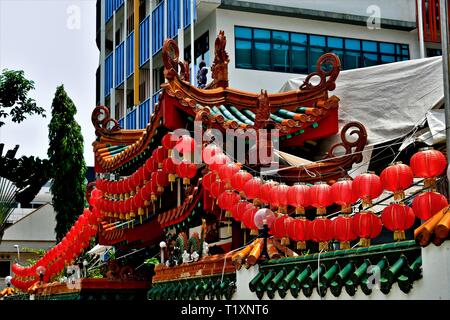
(268, 42)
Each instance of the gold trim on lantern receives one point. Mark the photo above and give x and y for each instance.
(299, 211)
(323, 245)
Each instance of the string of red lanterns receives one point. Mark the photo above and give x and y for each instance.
(65, 252)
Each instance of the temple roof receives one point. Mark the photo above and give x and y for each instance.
(306, 113)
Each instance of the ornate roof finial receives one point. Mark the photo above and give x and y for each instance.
(262, 114)
(219, 69)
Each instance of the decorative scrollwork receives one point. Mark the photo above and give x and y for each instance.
(170, 56)
(102, 121)
(204, 115)
(351, 128)
(328, 67)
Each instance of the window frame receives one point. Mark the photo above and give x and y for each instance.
(397, 56)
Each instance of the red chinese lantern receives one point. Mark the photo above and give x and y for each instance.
(209, 152)
(265, 191)
(343, 231)
(159, 154)
(342, 194)
(239, 209)
(187, 171)
(280, 228)
(227, 171)
(218, 161)
(427, 204)
(217, 187)
(169, 168)
(366, 225)
(252, 189)
(367, 187)
(279, 197)
(299, 231)
(299, 197)
(185, 146)
(322, 231)
(227, 200)
(161, 180)
(428, 163)
(398, 218)
(249, 221)
(320, 195)
(151, 165)
(208, 180)
(169, 141)
(396, 178)
(239, 179)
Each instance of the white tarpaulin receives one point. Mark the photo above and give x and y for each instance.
(390, 100)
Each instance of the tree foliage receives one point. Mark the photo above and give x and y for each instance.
(68, 167)
(14, 100)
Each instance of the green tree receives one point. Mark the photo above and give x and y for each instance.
(14, 100)
(67, 163)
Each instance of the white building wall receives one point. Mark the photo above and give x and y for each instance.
(255, 80)
(434, 285)
(397, 10)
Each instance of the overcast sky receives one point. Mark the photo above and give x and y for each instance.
(53, 41)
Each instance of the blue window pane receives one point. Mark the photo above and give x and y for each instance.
(339, 53)
(245, 33)
(280, 37)
(370, 59)
(298, 38)
(262, 56)
(387, 48)
(369, 46)
(317, 41)
(335, 42)
(352, 60)
(261, 34)
(352, 44)
(314, 54)
(280, 57)
(405, 52)
(299, 58)
(387, 59)
(243, 54)
(398, 49)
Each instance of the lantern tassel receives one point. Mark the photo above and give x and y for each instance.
(323, 245)
(301, 245)
(345, 245)
(364, 242)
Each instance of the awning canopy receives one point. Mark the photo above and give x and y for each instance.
(389, 100)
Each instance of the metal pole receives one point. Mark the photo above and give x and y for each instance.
(445, 65)
(420, 28)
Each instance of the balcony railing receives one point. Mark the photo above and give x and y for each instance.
(155, 97)
(158, 28)
(131, 119)
(110, 7)
(119, 64)
(145, 111)
(144, 41)
(130, 54)
(121, 122)
(108, 74)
